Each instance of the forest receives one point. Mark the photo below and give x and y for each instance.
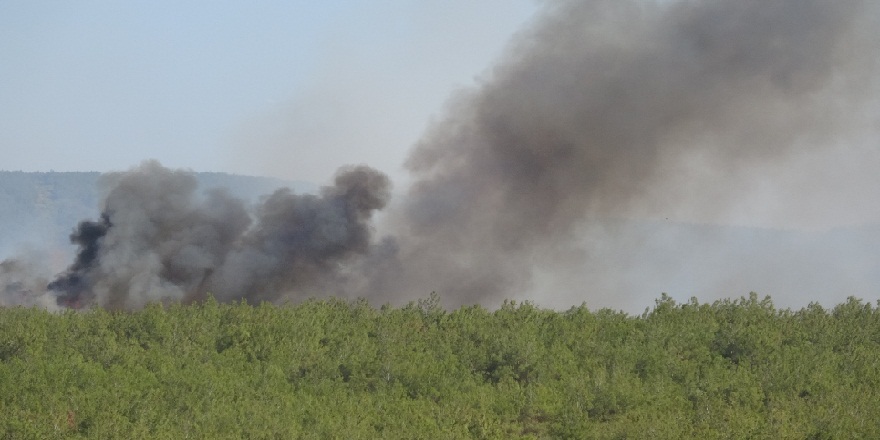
(334, 368)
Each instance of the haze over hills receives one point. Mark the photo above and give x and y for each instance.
(712, 261)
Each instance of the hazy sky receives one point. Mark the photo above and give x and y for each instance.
(285, 88)
(680, 114)
(296, 89)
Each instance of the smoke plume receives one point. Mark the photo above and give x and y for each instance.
(624, 109)
(158, 239)
(601, 112)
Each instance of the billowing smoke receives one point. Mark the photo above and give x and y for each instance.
(614, 109)
(158, 239)
(601, 111)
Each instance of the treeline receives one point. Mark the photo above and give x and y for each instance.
(344, 369)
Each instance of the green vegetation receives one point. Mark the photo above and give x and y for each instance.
(337, 369)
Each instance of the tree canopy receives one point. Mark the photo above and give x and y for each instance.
(344, 369)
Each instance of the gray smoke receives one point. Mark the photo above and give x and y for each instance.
(614, 109)
(602, 112)
(160, 240)
(23, 283)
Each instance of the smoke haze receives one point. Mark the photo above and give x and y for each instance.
(604, 116)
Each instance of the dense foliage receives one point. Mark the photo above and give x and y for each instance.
(338, 369)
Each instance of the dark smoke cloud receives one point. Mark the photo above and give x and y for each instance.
(159, 240)
(603, 110)
(303, 242)
(72, 283)
(615, 109)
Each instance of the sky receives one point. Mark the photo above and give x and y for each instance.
(290, 89)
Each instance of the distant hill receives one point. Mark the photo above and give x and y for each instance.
(41, 208)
